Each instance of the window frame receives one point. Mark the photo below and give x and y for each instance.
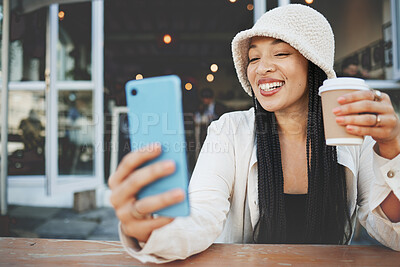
(395, 10)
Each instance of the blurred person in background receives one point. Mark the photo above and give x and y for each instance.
(350, 68)
(209, 110)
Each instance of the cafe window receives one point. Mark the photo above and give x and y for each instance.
(26, 133)
(396, 38)
(1, 69)
(1, 34)
(365, 41)
(362, 30)
(74, 44)
(28, 45)
(75, 132)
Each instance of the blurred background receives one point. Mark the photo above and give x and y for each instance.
(67, 131)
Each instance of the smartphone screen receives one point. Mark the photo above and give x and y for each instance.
(155, 116)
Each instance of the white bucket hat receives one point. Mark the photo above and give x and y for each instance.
(304, 28)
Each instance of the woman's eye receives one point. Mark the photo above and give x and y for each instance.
(253, 59)
(282, 54)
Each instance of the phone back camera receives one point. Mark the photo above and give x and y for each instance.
(134, 92)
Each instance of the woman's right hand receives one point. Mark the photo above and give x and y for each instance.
(128, 180)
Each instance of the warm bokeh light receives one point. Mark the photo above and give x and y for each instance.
(139, 76)
(214, 67)
(167, 39)
(250, 7)
(309, 1)
(188, 86)
(210, 77)
(61, 15)
(232, 1)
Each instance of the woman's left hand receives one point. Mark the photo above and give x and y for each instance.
(363, 113)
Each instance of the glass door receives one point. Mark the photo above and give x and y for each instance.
(76, 96)
(56, 103)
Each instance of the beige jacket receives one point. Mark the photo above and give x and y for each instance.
(223, 194)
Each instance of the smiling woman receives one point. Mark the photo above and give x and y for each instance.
(277, 181)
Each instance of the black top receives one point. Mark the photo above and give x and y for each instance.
(295, 208)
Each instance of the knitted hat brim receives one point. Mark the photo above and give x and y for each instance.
(240, 48)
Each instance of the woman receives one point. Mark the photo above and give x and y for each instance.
(272, 178)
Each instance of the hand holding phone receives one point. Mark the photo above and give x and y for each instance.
(128, 180)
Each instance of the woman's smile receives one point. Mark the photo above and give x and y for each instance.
(269, 87)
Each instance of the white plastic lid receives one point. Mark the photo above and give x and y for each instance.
(343, 83)
(343, 141)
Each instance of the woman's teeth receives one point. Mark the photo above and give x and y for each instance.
(270, 86)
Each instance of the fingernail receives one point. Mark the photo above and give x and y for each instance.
(155, 147)
(177, 193)
(349, 128)
(341, 99)
(339, 119)
(169, 164)
(336, 110)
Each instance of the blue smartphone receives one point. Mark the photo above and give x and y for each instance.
(155, 116)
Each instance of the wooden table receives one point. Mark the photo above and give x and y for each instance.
(57, 252)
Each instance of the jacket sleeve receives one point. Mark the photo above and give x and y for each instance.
(209, 195)
(377, 178)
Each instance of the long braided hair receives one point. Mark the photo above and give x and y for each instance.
(326, 204)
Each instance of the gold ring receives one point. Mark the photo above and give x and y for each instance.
(378, 121)
(377, 95)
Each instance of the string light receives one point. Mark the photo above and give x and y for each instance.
(232, 1)
(250, 7)
(139, 76)
(188, 86)
(167, 39)
(214, 67)
(210, 77)
(61, 15)
(309, 1)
